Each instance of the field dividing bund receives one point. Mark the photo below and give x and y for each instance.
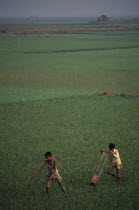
(53, 101)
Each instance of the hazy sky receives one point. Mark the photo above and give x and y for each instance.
(68, 7)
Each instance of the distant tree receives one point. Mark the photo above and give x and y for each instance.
(3, 31)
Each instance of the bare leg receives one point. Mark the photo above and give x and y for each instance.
(48, 191)
(118, 174)
(109, 172)
(48, 187)
(61, 186)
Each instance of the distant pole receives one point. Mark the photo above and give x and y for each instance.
(18, 39)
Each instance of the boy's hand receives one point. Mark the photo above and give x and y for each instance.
(102, 150)
(110, 152)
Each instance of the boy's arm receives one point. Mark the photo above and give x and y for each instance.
(38, 169)
(104, 151)
(116, 154)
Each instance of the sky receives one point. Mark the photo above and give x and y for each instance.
(68, 8)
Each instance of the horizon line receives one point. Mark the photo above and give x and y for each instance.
(90, 16)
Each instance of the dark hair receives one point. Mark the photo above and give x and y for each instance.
(48, 154)
(111, 146)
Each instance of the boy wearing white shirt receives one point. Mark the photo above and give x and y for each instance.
(115, 161)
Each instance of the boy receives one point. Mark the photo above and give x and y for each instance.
(53, 172)
(115, 161)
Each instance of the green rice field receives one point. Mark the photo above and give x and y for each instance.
(51, 99)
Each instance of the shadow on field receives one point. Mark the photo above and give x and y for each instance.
(77, 50)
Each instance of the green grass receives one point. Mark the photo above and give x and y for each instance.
(75, 129)
(72, 64)
(17, 95)
(51, 100)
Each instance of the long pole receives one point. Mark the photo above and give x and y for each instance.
(100, 162)
(28, 179)
(102, 166)
(18, 40)
(64, 169)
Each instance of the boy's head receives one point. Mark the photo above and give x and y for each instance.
(111, 147)
(48, 155)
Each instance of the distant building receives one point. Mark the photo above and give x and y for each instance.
(103, 19)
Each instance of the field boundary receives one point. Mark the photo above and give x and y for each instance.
(25, 96)
(79, 50)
